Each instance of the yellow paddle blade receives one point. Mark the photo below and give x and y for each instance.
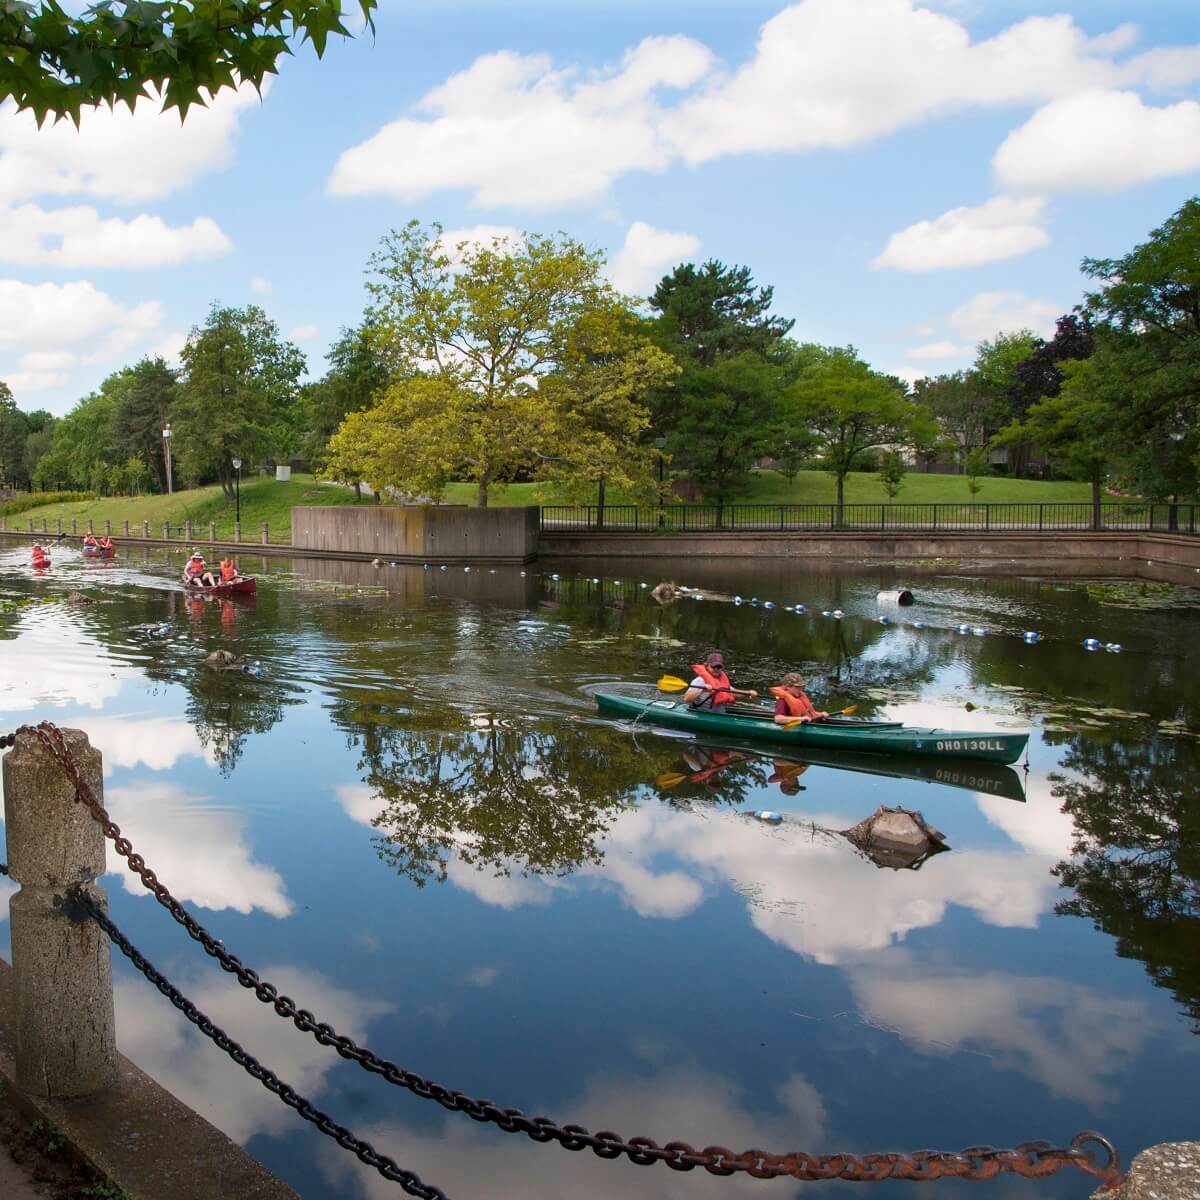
(672, 683)
(846, 712)
(793, 724)
(669, 780)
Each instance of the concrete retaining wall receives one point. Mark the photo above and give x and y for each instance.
(441, 533)
(1171, 558)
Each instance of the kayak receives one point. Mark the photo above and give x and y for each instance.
(240, 587)
(867, 736)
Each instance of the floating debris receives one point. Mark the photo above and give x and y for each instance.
(896, 838)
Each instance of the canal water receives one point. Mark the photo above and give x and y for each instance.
(414, 823)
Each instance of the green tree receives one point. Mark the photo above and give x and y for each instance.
(850, 409)
(714, 311)
(55, 61)
(962, 404)
(470, 333)
(978, 464)
(239, 394)
(148, 391)
(998, 364)
(892, 470)
(1148, 303)
(14, 429)
(136, 476)
(357, 373)
(81, 441)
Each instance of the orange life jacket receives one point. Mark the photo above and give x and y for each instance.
(228, 570)
(106, 544)
(797, 706)
(89, 539)
(718, 681)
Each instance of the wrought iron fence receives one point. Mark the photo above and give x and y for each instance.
(1050, 516)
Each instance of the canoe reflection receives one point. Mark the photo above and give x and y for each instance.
(716, 766)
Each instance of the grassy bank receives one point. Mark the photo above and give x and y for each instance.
(263, 499)
(817, 487)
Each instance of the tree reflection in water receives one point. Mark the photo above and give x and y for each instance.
(1136, 870)
(499, 797)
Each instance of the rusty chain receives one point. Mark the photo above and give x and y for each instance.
(364, 1151)
(1032, 1160)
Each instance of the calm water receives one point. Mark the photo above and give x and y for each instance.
(415, 824)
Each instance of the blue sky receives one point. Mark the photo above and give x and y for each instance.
(910, 177)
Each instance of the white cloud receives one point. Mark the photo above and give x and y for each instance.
(514, 130)
(34, 381)
(989, 313)
(199, 847)
(80, 237)
(646, 255)
(908, 374)
(52, 315)
(260, 285)
(46, 360)
(454, 242)
(1102, 140)
(169, 347)
(117, 154)
(938, 350)
(303, 333)
(1004, 227)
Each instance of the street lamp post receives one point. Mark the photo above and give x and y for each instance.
(660, 444)
(237, 466)
(167, 453)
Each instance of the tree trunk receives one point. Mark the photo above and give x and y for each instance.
(1096, 500)
(841, 496)
(357, 493)
(600, 488)
(485, 480)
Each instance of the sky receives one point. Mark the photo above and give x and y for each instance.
(909, 177)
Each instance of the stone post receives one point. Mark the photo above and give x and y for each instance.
(74, 527)
(45, 526)
(237, 531)
(212, 531)
(1170, 1171)
(58, 526)
(108, 529)
(30, 524)
(188, 530)
(126, 527)
(166, 531)
(146, 529)
(266, 534)
(90, 529)
(62, 973)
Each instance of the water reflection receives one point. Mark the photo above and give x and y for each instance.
(1135, 870)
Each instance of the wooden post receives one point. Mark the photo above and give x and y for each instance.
(145, 529)
(58, 524)
(74, 528)
(266, 534)
(45, 526)
(62, 972)
(237, 531)
(212, 531)
(188, 529)
(108, 529)
(126, 528)
(166, 531)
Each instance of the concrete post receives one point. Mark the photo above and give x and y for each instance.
(266, 534)
(58, 526)
(90, 529)
(74, 527)
(108, 529)
(166, 531)
(30, 524)
(45, 526)
(237, 531)
(188, 530)
(212, 531)
(126, 527)
(62, 973)
(145, 529)
(1170, 1171)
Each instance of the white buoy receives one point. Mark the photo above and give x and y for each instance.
(800, 608)
(838, 614)
(737, 599)
(768, 604)
(962, 629)
(979, 631)
(1113, 647)
(918, 624)
(1031, 636)
(1092, 643)
(883, 620)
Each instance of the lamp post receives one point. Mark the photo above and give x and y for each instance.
(237, 466)
(167, 453)
(660, 444)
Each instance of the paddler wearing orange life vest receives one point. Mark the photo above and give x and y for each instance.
(711, 690)
(89, 541)
(791, 702)
(40, 557)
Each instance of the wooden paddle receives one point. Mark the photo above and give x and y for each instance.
(842, 712)
(672, 683)
(669, 779)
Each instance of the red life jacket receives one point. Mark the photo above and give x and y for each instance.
(718, 681)
(88, 539)
(797, 706)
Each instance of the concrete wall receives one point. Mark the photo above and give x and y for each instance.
(1172, 558)
(440, 533)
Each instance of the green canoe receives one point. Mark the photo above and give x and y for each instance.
(871, 737)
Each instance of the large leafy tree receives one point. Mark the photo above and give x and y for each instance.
(470, 334)
(850, 409)
(962, 404)
(81, 447)
(148, 391)
(14, 429)
(239, 394)
(55, 61)
(721, 414)
(1148, 302)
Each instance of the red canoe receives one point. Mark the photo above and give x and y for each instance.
(244, 587)
(99, 552)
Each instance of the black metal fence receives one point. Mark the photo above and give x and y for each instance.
(867, 518)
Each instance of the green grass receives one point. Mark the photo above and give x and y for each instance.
(817, 487)
(263, 499)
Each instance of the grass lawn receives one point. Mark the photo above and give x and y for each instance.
(817, 487)
(263, 499)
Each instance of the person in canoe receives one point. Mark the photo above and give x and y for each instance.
(196, 574)
(106, 544)
(90, 545)
(711, 689)
(792, 702)
(40, 557)
(229, 570)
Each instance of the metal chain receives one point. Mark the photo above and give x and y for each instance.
(1029, 1159)
(364, 1151)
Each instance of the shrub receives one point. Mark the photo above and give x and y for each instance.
(20, 504)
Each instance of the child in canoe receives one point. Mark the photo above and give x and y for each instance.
(792, 702)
